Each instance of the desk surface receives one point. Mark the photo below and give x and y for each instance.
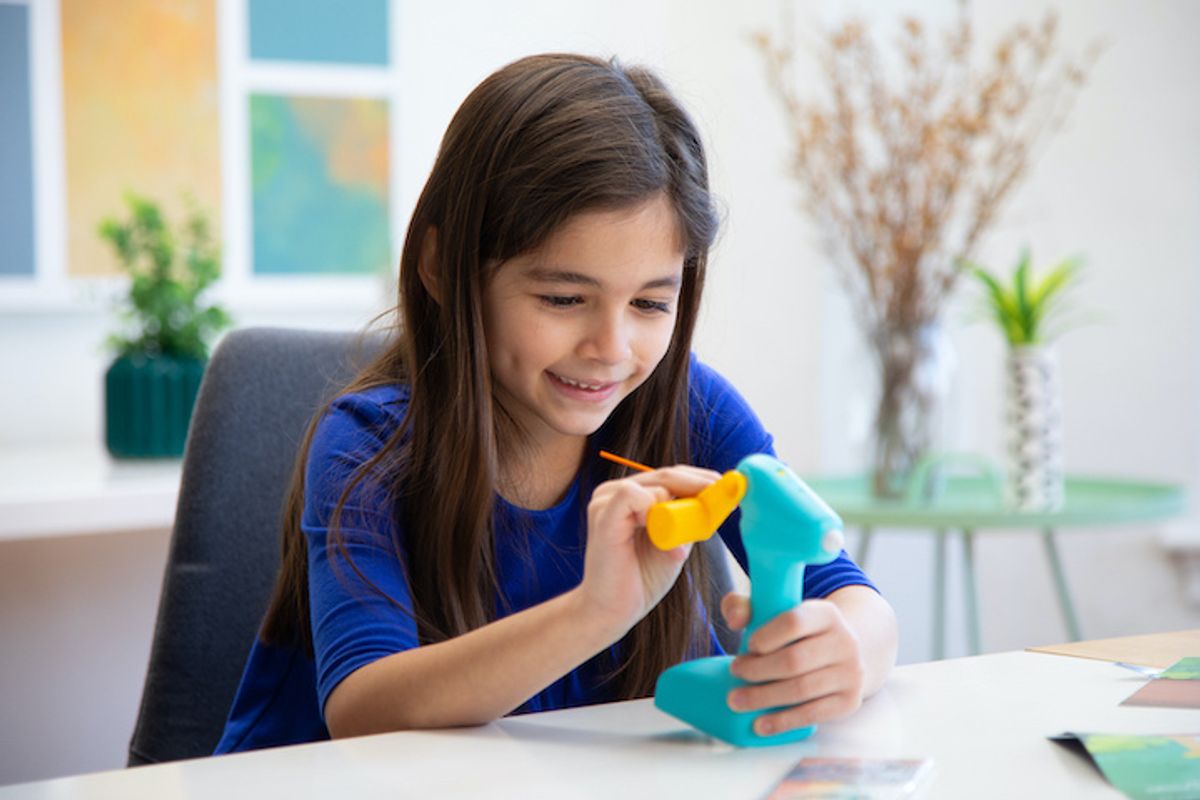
(984, 720)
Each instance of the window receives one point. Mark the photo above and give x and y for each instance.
(276, 116)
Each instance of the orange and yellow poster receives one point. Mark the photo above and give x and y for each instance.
(140, 109)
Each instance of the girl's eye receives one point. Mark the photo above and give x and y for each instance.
(652, 305)
(560, 301)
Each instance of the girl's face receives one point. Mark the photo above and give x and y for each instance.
(576, 325)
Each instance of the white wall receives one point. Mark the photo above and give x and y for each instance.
(76, 616)
(1121, 184)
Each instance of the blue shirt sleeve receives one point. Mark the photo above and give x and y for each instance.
(358, 592)
(724, 431)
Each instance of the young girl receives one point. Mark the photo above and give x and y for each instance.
(454, 549)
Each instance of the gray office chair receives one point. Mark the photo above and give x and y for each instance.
(261, 388)
(259, 391)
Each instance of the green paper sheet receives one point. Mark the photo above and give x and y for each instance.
(1185, 669)
(1163, 767)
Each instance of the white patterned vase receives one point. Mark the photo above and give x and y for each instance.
(1034, 428)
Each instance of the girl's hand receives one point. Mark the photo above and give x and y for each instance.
(806, 660)
(624, 574)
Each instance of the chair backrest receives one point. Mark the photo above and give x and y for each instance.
(261, 388)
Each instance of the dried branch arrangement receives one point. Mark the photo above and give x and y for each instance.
(905, 163)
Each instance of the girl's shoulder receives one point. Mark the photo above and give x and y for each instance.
(388, 398)
(384, 399)
(373, 412)
(353, 429)
(709, 391)
(722, 423)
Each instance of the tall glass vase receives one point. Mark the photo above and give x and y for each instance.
(914, 363)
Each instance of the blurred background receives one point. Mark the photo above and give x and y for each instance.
(305, 131)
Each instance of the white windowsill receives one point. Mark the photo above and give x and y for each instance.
(74, 490)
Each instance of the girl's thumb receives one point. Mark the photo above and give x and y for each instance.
(736, 610)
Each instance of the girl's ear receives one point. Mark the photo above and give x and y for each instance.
(427, 265)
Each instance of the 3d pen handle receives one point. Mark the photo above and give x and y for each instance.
(694, 519)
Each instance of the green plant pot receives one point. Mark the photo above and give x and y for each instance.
(148, 405)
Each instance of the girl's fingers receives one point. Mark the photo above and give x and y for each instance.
(824, 709)
(681, 469)
(701, 472)
(795, 690)
(735, 608)
(796, 659)
(662, 484)
(807, 619)
(659, 494)
(680, 481)
(627, 497)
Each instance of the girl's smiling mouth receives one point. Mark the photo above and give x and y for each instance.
(587, 390)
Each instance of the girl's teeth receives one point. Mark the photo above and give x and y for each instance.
(569, 382)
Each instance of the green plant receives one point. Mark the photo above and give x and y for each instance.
(1023, 308)
(163, 313)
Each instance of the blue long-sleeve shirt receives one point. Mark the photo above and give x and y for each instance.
(539, 555)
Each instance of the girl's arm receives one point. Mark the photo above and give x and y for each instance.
(473, 678)
(820, 659)
(486, 673)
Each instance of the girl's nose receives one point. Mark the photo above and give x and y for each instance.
(609, 339)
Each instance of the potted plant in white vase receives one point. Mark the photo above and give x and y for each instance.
(162, 347)
(1028, 312)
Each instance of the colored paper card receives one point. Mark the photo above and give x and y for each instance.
(1163, 767)
(320, 185)
(858, 778)
(1185, 669)
(140, 112)
(325, 31)
(1150, 650)
(1178, 686)
(1164, 693)
(16, 143)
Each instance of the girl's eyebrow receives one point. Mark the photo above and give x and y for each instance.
(544, 275)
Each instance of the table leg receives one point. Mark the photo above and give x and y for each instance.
(939, 595)
(864, 547)
(1060, 585)
(969, 585)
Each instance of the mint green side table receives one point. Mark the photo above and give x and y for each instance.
(965, 504)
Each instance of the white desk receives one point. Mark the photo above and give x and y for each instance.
(984, 720)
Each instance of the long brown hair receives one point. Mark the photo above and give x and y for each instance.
(539, 141)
